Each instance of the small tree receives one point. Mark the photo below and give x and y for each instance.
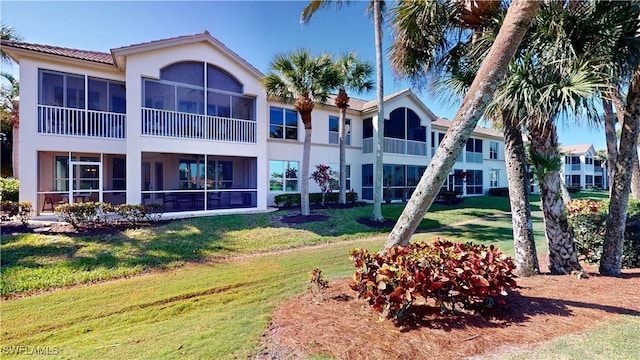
(323, 176)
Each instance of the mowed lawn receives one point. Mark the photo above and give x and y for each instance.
(199, 305)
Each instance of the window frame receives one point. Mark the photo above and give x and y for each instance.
(284, 178)
(336, 134)
(283, 124)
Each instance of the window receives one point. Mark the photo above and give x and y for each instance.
(474, 151)
(61, 176)
(575, 180)
(404, 123)
(60, 89)
(219, 174)
(574, 161)
(589, 181)
(588, 159)
(107, 95)
(367, 128)
(367, 181)
(494, 178)
(118, 176)
(474, 182)
(191, 174)
(283, 123)
(284, 176)
(335, 184)
(191, 87)
(334, 130)
(493, 150)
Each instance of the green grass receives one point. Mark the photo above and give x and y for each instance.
(220, 309)
(32, 262)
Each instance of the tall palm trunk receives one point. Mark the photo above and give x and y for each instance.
(563, 258)
(526, 257)
(304, 172)
(611, 260)
(377, 181)
(611, 138)
(491, 72)
(342, 101)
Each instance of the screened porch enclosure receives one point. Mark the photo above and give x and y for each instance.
(188, 182)
(65, 177)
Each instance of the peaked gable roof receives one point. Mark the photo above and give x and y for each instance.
(119, 54)
(446, 123)
(373, 105)
(579, 149)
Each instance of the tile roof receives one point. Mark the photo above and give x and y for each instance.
(575, 149)
(93, 56)
(446, 123)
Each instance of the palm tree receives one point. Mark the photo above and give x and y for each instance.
(9, 96)
(7, 33)
(354, 75)
(308, 80)
(493, 68)
(376, 7)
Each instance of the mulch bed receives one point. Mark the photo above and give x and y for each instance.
(52, 228)
(542, 308)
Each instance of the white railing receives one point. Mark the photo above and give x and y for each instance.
(194, 126)
(397, 146)
(79, 122)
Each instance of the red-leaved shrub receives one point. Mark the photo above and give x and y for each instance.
(467, 275)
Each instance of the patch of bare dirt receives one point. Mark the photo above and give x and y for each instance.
(542, 307)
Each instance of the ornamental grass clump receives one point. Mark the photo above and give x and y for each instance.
(468, 276)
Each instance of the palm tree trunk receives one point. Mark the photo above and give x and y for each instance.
(611, 260)
(563, 258)
(377, 181)
(610, 135)
(491, 72)
(635, 179)
(526, 257)
(304, 173)
(342, 180)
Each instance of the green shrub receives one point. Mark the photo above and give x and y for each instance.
(79, 214)
(574, 189)
(472, 276)
(293, 199)
(588, 220)
(9, 189)
(136, 214)
(449, 197)
(501, 192)
(20, 210)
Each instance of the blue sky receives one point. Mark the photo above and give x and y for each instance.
(256, 30)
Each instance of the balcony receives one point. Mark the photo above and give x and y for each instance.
(79, 122)
(397, 146)
(194, 126)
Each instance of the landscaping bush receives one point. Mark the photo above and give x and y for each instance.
(136, 214)
(80, 214)
(588, 220)
(469, 275)
(501, 192)
(9, 189)
(285, 200)
(20, 210)
(574, 189)
(448, 197)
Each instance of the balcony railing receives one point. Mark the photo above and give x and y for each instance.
(194, 126)
(79, 122)
(397, 146)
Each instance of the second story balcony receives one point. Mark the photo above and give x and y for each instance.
(80, 122)
(176, 124)
(396, 146)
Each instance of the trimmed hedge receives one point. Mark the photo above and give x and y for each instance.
(501, 192)
(293, 199)
(90, 214)
(13, 209)
(9, 189)
(472, 276)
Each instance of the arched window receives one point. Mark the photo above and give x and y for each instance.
(404, 123)
(192, 87)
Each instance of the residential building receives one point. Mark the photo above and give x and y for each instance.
(185, 122)
(582, 167)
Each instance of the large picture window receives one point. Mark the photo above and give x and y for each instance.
(474, 182)
(334, 130)
(474, 151)
(283, 123)
(284, 176)
(185, 87)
